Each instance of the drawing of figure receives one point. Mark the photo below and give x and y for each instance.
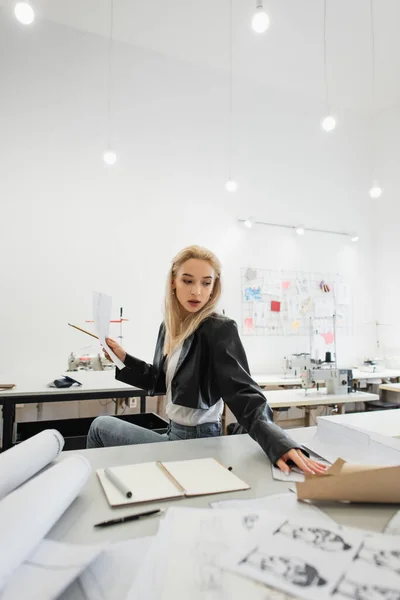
(322, 539)
(290, 569)
(208, 574)
(360, 591)
(381, 558)
(249, 521)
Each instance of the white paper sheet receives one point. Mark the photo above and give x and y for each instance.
(27, 458)
(393, 526)
(102, 305)
(335, 440)
(316, 562)
(294, 475)
(149, 580)
(281, 504)
(29, 512)
(112, 574)
(197, 538)
(49, 570)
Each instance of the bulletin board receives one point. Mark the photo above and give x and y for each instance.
(294, 303)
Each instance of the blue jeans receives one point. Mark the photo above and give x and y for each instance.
(111, 431)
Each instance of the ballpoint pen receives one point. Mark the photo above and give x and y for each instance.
(129, 518)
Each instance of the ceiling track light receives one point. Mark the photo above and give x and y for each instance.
(24, 13)
(260, 21)
(299, 229)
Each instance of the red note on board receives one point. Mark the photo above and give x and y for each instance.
(275, 306)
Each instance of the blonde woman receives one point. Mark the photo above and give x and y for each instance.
(199, 363)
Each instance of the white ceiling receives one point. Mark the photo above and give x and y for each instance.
(289, 56)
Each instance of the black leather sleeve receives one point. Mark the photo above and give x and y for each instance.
(243, 396)
(139, 374)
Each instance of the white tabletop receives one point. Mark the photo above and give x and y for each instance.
(36, 384)
(275, 379)
(390, 387)
(384, 422)
(239, 451)
(379, 374)
(281, 398)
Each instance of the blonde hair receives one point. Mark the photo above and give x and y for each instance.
(177, 330)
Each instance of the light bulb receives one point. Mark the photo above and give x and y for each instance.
(376, 190)
(24, 13)
(300, 230)
(355, 238)
(109, 157)
(260, 20)
(328, 123)
(249, 223)
(231, 185)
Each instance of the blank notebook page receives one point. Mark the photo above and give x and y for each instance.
(204, 476)
(146, 481)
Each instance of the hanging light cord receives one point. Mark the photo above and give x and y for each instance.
(230, 95)
(325, 63)
(110, 48)
(373, 91)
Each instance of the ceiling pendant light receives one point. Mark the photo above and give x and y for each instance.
(300, 229)
(109, 156)
(355, 237)
(260, 21)
(328, 123)
(376, 190)
(231, 184)
(249, 223)
(24, 13)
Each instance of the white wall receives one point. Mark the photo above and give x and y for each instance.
(386, 218)
(69, 225)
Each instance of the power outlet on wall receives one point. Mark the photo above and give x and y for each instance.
(131, 402)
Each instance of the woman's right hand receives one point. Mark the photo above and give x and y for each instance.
(116, 348)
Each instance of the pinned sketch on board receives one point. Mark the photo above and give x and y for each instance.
(295, 303)
(102, 305)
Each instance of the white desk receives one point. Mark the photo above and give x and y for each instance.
(263, 379)
(384, 422)
(239, 451)
(289, 398)
(32, 389)
(359, 374)
(390, 387)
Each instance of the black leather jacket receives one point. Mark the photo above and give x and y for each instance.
(212, 365)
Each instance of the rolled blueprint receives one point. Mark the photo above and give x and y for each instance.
(27, 458)
(28, 513)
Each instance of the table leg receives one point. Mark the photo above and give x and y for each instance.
(143, 404)
(307, 416)
(8, 425)
(341, 409)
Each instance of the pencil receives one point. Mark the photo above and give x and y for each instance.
(83, 330)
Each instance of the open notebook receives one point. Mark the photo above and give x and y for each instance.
(176, 479)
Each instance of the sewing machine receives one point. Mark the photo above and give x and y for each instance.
(88, 362)
(312, 373)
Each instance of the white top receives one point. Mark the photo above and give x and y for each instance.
(181, 414)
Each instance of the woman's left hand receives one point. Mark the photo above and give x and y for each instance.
(307, 465)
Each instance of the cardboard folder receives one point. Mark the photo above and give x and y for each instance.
(353, 483)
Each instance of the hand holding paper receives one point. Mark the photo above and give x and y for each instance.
(101, 316)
